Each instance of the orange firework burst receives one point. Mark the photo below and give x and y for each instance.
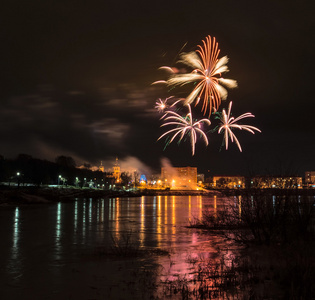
(207, 70)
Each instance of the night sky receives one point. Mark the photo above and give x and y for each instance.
(76, 80)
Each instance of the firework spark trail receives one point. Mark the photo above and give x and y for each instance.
(161, 105)
(184, 125)
(228, 123)
(207, 70)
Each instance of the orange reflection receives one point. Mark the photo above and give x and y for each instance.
(173, 217)
(142, 217)
(239, 206)
(215, 206)
(165, 215)
(189, 208)
(158, 229)
(117, 219)
(200, 206)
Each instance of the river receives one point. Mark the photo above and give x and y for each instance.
(56, 251)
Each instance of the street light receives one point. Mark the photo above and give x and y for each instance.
(76, 181)
(18, 178)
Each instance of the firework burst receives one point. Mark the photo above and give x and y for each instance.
(228, 123)
(207, 69)
(161, 105)
(185, 125)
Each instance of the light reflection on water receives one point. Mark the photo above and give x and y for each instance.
(16, 228)
(63, 232)
(15, 239)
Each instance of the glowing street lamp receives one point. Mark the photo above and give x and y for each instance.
(18, 178)
(76, 181)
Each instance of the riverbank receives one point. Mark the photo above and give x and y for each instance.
(32, 195)
(41, 195)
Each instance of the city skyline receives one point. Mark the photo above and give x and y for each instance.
(77, 81)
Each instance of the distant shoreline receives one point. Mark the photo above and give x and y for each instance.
(40, 195)
(33, 195)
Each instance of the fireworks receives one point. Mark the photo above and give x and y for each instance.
(161, 105)
(185, 125)
(209, 87)
(206, 75)
(228, 123)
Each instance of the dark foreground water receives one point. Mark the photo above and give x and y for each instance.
(56, 251)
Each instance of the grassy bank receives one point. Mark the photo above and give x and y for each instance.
(277, 233)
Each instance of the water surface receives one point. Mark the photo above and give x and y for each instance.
(51, 251)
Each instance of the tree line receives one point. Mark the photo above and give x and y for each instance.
(26, 170)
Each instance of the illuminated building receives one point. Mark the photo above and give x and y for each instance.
(101, 167)
(143, 179)
(116, 171)
(230, 182)
(276, 182)
(310, 179)
(185, 177)
(201, 178)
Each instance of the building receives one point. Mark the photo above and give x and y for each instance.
(310, 179)
(101, 167)
(116, 171)
(200, 178)
(276, 182)
(180, 178)
(230, 182)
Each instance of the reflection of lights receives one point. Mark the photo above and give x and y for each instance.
(273, 201)
(98, 212)
(240, 206)
(102, 212)
(58, 230)
(154, 212)
(158, 229)
(58, 221)
(83, 222)
(113, 209)
(75, 215)
(200, 207)
(16, 227)
(90, 211)
(189, 208)
(165, 213)
(142, 216)
(173, 217)
(16, 231)
(117, 218)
